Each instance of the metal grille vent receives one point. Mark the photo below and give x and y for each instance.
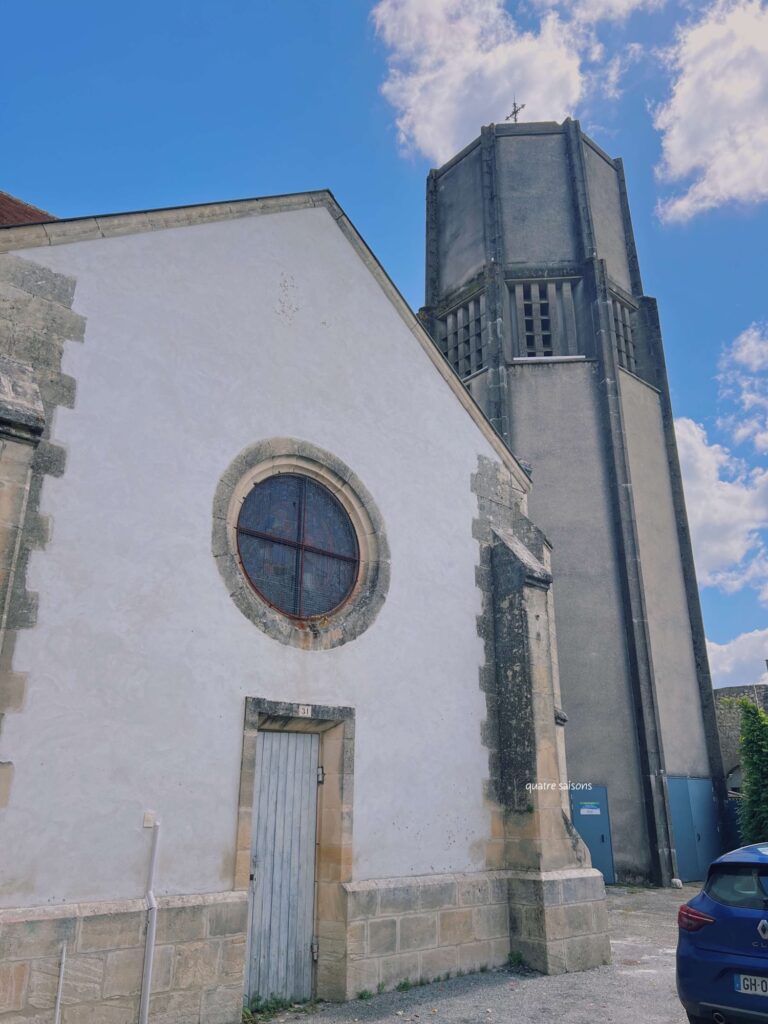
(622, 329)
(460, 336)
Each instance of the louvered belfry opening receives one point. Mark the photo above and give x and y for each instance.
(461, 336)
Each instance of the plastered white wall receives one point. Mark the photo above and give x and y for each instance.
(202, 340)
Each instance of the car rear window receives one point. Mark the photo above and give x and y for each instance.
(739, 885)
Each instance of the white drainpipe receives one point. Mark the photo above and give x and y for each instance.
(60, 989)
(149, 948)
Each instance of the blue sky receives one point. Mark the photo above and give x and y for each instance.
(112, 107)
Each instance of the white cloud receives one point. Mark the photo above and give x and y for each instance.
(741, 661)
(743, 380)
(750, 348)
(728, 511)
(715, 124)
(591, 11)
(457, 64)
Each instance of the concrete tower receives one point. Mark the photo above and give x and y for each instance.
(534, 296)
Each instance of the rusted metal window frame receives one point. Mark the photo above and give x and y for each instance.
(300, 547)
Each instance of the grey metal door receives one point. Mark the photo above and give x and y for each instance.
(283, 867)
(695, 830)
(589, 811)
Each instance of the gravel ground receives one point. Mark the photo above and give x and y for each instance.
(639, 986)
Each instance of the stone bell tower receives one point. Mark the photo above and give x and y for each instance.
(534, 296)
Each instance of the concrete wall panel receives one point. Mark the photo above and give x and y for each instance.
(536, 209)
(605, 203)
(669, 626)
(555, 427)
(461, 240)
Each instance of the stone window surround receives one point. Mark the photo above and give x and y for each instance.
(291, 455)
(333, 863)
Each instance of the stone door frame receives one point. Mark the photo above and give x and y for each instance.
(333, 861)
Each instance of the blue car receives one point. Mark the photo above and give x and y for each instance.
(722, 950)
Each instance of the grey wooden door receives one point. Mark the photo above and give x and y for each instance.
(283, 887)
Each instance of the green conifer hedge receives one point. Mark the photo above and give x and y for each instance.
(753, 743)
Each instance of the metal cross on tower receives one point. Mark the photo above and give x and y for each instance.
(515, 110)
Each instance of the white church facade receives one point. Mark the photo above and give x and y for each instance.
(278, 668)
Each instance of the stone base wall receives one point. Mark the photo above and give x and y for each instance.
(198, 968)
(559, 919)
(422, 928)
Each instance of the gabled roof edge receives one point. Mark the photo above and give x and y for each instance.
(83, 229)
(439, 361)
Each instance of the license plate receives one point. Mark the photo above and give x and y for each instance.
(751, 985)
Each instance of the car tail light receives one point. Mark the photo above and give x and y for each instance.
(691, 920)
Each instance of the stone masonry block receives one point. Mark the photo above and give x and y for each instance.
(228, 918)
(13, 688)
(585, 951)
(418, 931)
(395, 969)
(437, 896)
(579, 890)
(61, 232)
(180, 924)
(330, 902)
(523, 890)
(499, 890)
(222, 1005)
(196, 965)
(499, 951)
(547, 957)
(82, 980)
(600, 916)
(122, 1011)
(532, 923)
(125, 967)
(37, 280)
(491, 922)
(398, 899)
(382, 936)
(13, 983)
(111, 931)
(24, 236)
(332, 979)
(456, 927)
(356, 939)
(570, 919)
(36, 938)
(232, 961)
(435, 963)
(174, 1008)
(23, 612)
(474, 955)
(337, 931)
(362, 903)
(28, 1017)
(473, 891)
(6, 778)
(362, 976)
